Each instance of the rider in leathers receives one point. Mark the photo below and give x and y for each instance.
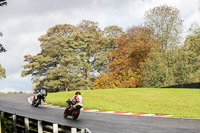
(76, 100)
(44, 92)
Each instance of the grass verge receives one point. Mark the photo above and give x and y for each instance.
(183, 103)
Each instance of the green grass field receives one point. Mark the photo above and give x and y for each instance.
(183, 103)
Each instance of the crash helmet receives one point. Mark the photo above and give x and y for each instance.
(44, 87)
(78, 93)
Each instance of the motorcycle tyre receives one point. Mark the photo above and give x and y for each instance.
(66, 113)
(36, 105)
(75, 114)
(33, 102)
(37, 102)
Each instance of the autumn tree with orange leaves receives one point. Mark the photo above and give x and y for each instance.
(131, 49)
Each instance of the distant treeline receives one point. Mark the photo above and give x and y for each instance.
(10, 92)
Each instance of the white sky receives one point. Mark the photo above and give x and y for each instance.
(22, 22)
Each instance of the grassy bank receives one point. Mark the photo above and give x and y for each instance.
(178, 102)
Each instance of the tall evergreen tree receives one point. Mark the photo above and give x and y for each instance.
(70, 57)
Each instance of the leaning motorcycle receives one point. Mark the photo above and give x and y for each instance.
(71, 110)
(37, 99)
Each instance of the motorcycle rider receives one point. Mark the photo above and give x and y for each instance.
(76, 101)
(43, 90)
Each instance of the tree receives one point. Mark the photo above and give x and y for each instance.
(3, 2)
(131, 50)
(2, 49)
(70, 56)
(192, 41)
(55, 45)
(191, 50)
(167, 25)
(2, 72)
(187, 66)
(111, 33)
(154, 68)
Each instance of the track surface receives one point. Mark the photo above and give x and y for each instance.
(99, 122)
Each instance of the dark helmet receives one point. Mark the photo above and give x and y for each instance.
(78, 93)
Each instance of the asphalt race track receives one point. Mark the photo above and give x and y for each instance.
(99, 122)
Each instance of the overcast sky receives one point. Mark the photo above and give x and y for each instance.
(22, 22)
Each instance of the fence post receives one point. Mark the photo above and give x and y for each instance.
(73, 130)
(2, 115)
(55, 128)
(14, 123)
(26, 122)
(87, 130)
(83, 130)
(0, 124)
(40, 130)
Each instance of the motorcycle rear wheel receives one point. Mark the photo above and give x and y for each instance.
(37, 102)
(75, 114)
(33, 102)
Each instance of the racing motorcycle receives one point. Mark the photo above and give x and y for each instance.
(37, 99)
(71, 110)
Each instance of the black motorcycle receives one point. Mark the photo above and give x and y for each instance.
(72, 111)
(37, 99)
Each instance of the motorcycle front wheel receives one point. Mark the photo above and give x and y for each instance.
(66, 113)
